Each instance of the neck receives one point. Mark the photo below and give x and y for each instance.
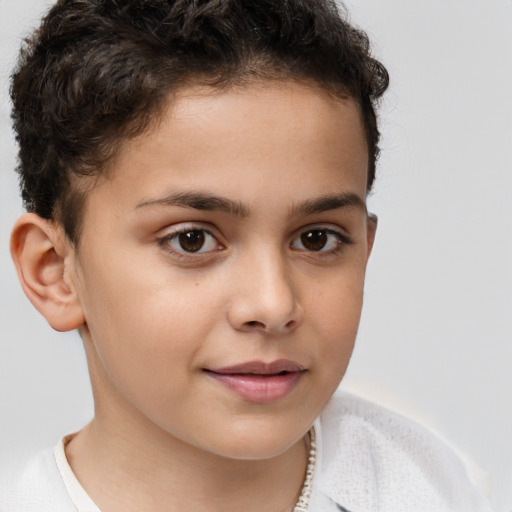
(137, 469)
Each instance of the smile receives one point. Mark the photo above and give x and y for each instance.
(259, 382)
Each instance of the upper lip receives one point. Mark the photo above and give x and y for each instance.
(260, 368)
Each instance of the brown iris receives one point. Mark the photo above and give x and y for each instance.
(192, 241)
(314, 240)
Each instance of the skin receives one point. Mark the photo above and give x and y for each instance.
(154, 316)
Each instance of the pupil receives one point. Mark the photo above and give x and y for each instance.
(314, 240)
(191, 241)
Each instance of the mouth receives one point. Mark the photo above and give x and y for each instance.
(259, 382)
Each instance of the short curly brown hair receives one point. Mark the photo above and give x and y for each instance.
(96, 73)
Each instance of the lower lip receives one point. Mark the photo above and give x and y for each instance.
(261, 389)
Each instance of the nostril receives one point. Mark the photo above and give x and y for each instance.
(255, 323)
(290, 324)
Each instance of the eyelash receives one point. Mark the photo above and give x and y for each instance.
(341, 240)
(166, 242)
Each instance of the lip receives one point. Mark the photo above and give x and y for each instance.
(259, 382)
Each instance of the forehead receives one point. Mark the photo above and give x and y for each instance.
(282, 133)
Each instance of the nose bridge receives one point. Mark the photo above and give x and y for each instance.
(267, 295)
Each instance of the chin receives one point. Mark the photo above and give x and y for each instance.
(259, 441)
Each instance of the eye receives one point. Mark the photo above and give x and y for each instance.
(192, 241)
(319, 240)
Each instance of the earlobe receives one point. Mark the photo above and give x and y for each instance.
(371, 230)
(40, 254)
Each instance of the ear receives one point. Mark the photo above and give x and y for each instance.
(41, 254)
(371, 229)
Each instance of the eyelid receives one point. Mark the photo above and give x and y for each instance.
(344, 238)
(173, 231)
(180, 227)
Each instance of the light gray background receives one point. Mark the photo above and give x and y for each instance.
(435, 334)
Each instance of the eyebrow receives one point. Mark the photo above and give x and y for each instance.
(209, 202)
(329, 202)
(199, 201)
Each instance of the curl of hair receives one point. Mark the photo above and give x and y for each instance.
(97, 72)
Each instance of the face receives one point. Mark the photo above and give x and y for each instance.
(221, 268)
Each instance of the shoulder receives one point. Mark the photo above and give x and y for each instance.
(375, 459)
(34, 485)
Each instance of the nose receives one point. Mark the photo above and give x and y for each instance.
(265, 297)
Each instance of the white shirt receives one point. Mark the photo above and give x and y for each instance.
(369, 460)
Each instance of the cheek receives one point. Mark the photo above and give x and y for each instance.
(333, 319)
(334, 313)
(337, 304)
(145, 325)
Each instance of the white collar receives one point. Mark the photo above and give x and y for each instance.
(81, 500)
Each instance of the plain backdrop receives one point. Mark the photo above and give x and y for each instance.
(436, 335)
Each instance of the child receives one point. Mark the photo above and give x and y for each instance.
(195, 174)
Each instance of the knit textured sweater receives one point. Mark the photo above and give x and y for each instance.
(369, 460)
